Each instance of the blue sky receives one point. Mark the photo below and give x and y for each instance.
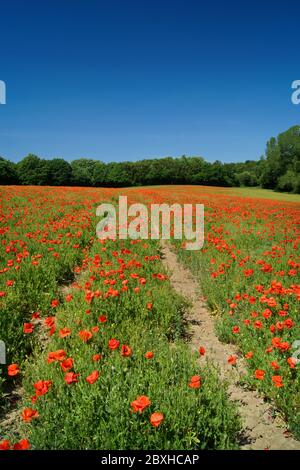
(125, 80)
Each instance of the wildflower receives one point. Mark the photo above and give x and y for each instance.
(232, 360)
(126, 351)
(156, 419)
(42, 387)
(35, 315)
(195, 381)
(85, 335)
(284, 346)
(28, 328)
(249, 355)
(277, 381)
(58, 355)
(93, 377)
(64, 332)
(292, 362)
(13, 370)
(259, 374)
(102, 319)
(149, 355)
(71, 377)
(96, 357)
(202, 351)
(248, 272)
(67, 364)
(23, 444)
(28, 414)
(49, 321)
(4, 445)
(274, 365)
(113, 344)
(140, 403)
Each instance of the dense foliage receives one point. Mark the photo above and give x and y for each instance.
(279, 169)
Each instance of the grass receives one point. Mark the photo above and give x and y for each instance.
(266, 194)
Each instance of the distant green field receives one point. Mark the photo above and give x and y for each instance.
(241, 192)
(266, 193)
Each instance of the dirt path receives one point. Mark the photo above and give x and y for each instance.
(261, 429)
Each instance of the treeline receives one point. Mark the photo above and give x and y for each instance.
(278, 169)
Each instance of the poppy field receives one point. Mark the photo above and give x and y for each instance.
(98, 355)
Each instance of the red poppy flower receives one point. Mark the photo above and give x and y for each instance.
(23, 444)
(126, 351)
(13, 370)
(49, 321)
(156, 419)
(102, 319)
(85, 335)
(140, 404)
(235, 330)
(113, 344)
(28, 328)
(42, 387)
(67, 364)
(33, 399)
(274, 365)
(93, 377)
(195, 381)
(58, 355)
(4, 445)
(289, 323)
(149, 355)
(28, 414)
(277, 381)
(259, 374)
(276, 342)
(292, 362)
(202, 351)
(249, 355)
(69, 298)
(71, 377)
(35, 315)
(54, 303)
(232, 360)
(96, 357)
(149, 306)
(248, 272)
(285, 346)
(64, 332)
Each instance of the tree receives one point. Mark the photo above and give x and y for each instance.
(246, 178)
(8, 172)
(99, 176)
(282, 155)
(60, 172)
(83, 172)
(32, 170)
